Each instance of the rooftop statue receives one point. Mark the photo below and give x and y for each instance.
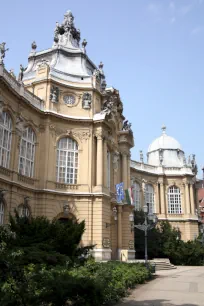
(66, 34)
(127, 126)
(2, 51)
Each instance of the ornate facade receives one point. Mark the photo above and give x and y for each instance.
(167, 182)
(63, 143)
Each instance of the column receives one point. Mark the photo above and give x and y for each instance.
(157, 208)
(192, 200)
(124, 169)
(128, 171)
(119, 228)
(99, 160)
(187, 199)
(105, 163)
(162, 197)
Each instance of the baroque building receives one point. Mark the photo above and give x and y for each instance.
(64, 144)
(167, 182)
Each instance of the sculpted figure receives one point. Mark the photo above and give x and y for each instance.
(3, 51)
(126, 126)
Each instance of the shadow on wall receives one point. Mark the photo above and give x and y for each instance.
(152, 303)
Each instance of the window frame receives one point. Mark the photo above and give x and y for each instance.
(173, 202)
(5, 149)
(28, 163)
(136, 195)
(67, 161)
(149, 198)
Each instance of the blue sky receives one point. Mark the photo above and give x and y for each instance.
(152, 52)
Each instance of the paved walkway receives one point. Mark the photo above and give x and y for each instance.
(181, 287)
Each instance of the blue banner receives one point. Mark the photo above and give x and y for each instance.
(120, 192)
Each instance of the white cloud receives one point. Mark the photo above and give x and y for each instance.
(197, 30)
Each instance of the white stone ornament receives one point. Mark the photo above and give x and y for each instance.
(69, 99)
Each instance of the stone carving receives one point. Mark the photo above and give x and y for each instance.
(42, 63)
(19, 126)
(66, 34)
(11, 72)
(194, 165)
(78, 134)
(21, 73)
(127, 126)
(161, 156)
(3, 51)
(100, 76)
(116, 157)
(84, 43)
(34, 46)
(103, 85)
(141, 157)
(54, 94)
(86, 100)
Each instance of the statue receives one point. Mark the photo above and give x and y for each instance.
(54, 94)
(21, 74)
(11, 72)
(84, 43)
(116, 157)
(127, 126)
(141, 156)
(86, 100)
(107, 107)
(3, 51)
(66, 33)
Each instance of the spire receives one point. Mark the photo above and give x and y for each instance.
(163, 129)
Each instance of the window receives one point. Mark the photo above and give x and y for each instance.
(149, 197)
(136, 195)
(67, 161)
(5, 139)
(108, 168)
(1, 212)
(69, 100)
(27, 153)
(174, 200)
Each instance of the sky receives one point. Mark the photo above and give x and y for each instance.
(152, 51)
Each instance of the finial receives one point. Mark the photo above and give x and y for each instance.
(141, 156)
(33, 46)
(84, 43)
(100, 66)
(163, 129)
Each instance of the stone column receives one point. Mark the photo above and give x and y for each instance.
(162, 197)
(192, 200)
(187, 199)
(105, 164)
(157, 208)
(120, 240)
(128, 171)
(124, 169)
(99, 170)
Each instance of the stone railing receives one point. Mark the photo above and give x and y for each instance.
(142, 166)
(19, 88)
(5, 171)
(25, 179)
(66, 186)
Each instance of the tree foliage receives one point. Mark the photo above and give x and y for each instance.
(164, 241)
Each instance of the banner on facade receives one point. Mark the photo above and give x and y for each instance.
(120, 193)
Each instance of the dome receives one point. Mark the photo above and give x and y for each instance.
(165, 151)
(164, 142)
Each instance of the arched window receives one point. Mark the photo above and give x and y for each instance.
(67, 161)
(27, 153)
(149, 197)
(23, 211)
(5, 139)
(174, 200)
(1, 213)
(136, 195)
